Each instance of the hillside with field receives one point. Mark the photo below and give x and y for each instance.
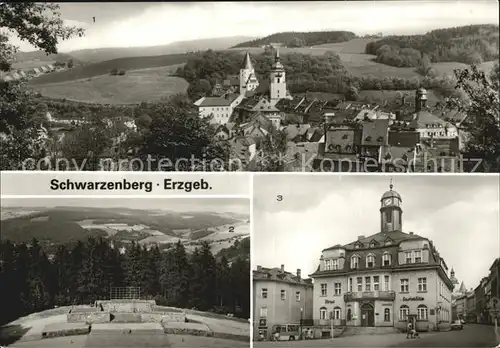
(134, 87)
(103, 68)
(66, 225)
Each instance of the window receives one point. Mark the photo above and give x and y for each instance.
(336, 313)
(372, 245)
(263, 312)
(283, 294)
(386, 283)
(408, 256)
(328, 265)
(322, 313)
(370, 261)
(376, 283)
(350, 284)
(368, 284)
(354, 262)
(297, 296)
(388, 242)
(387, 314)
(335, 265)
(349, 314)
(418, 256)
(388, 216)
(422, 284)
(360, 283)
(263, 293)
(278, 81)
(386, 259)
(337, 289)
(422, 312)
(323, 290)
(404, 285)
(403, 312)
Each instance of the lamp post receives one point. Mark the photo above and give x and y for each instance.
(301, 316)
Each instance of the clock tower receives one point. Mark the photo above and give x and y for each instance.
(277, 81)
(391, 211)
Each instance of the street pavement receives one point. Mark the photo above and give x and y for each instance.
(471, 336)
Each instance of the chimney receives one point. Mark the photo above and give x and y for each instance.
(259, 268)
(282, 268)
(361, 237)
(298, 273)
(411, 233)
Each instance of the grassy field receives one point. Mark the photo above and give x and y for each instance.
(29, 64)
(134, 87)
(358, 63)
(103, 68)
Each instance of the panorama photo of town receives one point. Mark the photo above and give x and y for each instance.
(365, 261)
(338, 86)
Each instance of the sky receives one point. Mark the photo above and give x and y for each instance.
(149, 24)
(218, 205)
(460, 214)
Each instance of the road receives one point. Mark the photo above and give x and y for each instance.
(471, 336)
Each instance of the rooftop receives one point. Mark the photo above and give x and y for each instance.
(279, 275)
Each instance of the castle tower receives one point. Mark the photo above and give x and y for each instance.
(420, 99)
(277, 80)
(248, 80)
(391, 211)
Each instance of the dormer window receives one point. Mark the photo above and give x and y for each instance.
(388, 241)
(372, 245)
(335, 265)
(386, 259)
(354, 262)
(418, 256)
(370, 261)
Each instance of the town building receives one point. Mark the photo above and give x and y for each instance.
(383, 280)
(280, 297)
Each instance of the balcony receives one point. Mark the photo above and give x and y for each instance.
(370, 295)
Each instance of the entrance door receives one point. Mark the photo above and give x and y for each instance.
(367, 315)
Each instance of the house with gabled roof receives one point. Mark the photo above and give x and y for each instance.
(385, 279)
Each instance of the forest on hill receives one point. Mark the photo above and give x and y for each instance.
(85, 272)
(471, 44)
(301, 39)
(305, 73)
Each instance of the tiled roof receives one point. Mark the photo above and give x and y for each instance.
(293, 130)
(275, 274)
(264, 105)
(214, 101)
(425, 118)
(375, 132)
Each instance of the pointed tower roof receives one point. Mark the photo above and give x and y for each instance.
(277, 64)
(463, 288)
(247, 62)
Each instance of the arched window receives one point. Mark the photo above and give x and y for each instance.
(349, 314)
(370, 261)
(322, 313)
(354, 261)
(337, 313)
(386, 259)
(387, 314)
(404, 310)
(422, 312)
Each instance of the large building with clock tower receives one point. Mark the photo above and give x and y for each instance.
(383, 280)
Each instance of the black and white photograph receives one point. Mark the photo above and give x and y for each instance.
(115, 272)
(376, 261)
(343, 86)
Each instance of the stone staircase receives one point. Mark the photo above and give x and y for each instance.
(357, 330)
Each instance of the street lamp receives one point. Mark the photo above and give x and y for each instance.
(301, 316)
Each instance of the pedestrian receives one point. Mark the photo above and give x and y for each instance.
(276, 336)
(409, 330)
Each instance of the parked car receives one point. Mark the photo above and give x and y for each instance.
(457, 325)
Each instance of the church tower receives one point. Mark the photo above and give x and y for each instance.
(390, 211)
(277, 80)
(248, 80)
(420, 99)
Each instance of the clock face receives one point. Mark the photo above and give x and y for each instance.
(387, 201)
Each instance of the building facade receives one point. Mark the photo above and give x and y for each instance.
(280, 297)
(384, 280)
